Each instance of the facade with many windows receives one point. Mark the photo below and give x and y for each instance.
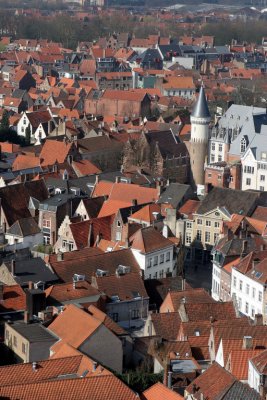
(254, 169)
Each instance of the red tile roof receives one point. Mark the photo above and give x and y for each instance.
(159, 392)
(66, 292)
(14, 299)
(54, 151)
(106, 387)
(239, 362)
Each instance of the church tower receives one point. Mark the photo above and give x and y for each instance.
(200, 119)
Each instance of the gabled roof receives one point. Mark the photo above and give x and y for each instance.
(106, 320)
(147, 240)
(238, 359)
(206, 311)
(54, 151)
(174, 194)
(199, 295)
(146, 213)
(82, 325)
(260, 362)
(24, 227)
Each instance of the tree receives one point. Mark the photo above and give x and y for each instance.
(4, 126)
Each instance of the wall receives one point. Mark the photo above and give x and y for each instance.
(104, 347)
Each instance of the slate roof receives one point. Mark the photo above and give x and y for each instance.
(168, 145)
(34, 332)
(174, 194)
(32, 269)
(240, 391)
(232, 200)
(24, 227)
(157, 289)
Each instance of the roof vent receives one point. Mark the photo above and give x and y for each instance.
(101, 272)
(34, 366)
(122, 270)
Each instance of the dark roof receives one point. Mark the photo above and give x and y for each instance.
(235, 201)
(239, 391)
(15, 199)
(93, 206)
(174, 194)
(167, 143)
(32, 269)
(34, 332)
(24, 227)
(157, 289)
(201, 109)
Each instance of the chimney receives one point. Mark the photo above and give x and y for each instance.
(169, 379)
(96, 179)
(244, 248)
(26, 317)
(258, 319)
(30, 285)
(13, 267)
(118, 179)
(94, 366)
(134, 202)
(60, 256)
(1, 291)
(247, 342)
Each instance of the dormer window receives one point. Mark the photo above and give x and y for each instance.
(243, 145)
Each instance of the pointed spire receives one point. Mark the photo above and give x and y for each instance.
(201, 109)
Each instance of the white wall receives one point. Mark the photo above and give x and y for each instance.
(216, 282)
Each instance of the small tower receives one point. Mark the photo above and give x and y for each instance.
(200, 119)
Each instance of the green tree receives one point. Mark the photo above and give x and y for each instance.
(4, 126)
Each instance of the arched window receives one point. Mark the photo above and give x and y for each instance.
(243, 145)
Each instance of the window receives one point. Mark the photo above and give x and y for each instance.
(246, 308)
(188, 239)
(252, 312)
(115, 317)
(155, 260)
(248, 169)
(212, 158)
(189, 225)
(149, 263)
(215, 237)
(264, 155)
(118, 224)
(199, 235)
(168, 256)
(46, 223)
(213, 146)
(219, 158)
(23, 348)
(260, 296)
(208, 223)
(15, 342)
(7, 335)
(240, 285)
(207, 237)
(248, 181)
(24, 121)
(219, 176)
(247, 289)
(262, 188)
(262, 178)
(209, 175)
(199, 221)
(118, 236)
(161, 259)
(135, 314)
(234, 281)
(220, 147)
(243, 145)
(239, 303)
(253, 293)
(216, 224)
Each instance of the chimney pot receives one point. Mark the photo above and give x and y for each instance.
(26, 317)
(30, 285)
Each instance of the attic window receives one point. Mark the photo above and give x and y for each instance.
(243, 145)
(263, 155)
(197, 333)
(115, 298)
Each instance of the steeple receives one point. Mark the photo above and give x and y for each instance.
(201, 109)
